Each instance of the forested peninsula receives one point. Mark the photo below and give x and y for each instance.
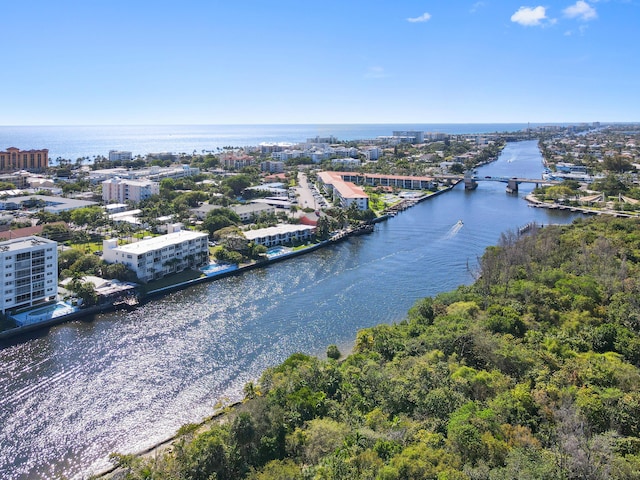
(532, 372)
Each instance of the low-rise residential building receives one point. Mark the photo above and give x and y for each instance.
(45, 202)
(154, 173)
(120, 191)
(202, 211)
(127, 216)
(414, 135)
(158, 173)
(372, 153)
(115, 208)
(276, 202)
(280, 234)
(344, 152)
(100, 175)
(272, 166)
(287, 155)
(157, 257)
(249, 211)
(236, 161)
(19, 179)
(28, 272)
(346, 162)
(408, 182)
(273, 188)
(343, 192)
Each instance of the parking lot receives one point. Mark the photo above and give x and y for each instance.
(308, 196)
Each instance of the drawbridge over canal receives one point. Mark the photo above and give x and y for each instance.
(471, 182)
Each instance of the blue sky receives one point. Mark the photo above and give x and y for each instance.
(92, 62)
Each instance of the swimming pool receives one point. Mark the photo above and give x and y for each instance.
(45, 313)
(277, 251)
(217, 268)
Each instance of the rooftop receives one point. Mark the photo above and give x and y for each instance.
(156, 243)
(346, 189)
(49, 201)
(22, 243)
(277, 230)
(250, 208)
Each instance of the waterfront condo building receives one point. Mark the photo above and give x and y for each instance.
(282, 234)
(14, 159)
(344, 193)
(28, 272)
(121, 191)
(157, 257)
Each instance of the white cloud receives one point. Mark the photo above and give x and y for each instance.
(529, 17)
(375, 72)
(581, 10)
(425, 17)
(476, 6)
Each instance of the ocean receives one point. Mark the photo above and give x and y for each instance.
(73, 142)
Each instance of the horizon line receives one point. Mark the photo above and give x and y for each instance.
(315, 123)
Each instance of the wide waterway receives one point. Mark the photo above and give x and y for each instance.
(121, 382)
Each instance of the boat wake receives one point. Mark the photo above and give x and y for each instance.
(453, 231)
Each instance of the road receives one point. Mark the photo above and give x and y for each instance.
(305, 193)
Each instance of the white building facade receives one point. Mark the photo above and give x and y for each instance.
(272, 166)
(157, 257)
(119, 155)
(343, 193)
(29, 272)
(280, 234)
(250, 211)
(121, 191)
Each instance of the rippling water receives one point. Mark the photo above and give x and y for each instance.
(122, 382)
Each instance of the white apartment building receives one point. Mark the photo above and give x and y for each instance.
(287, 155)
(119, 155)
(343, 193)
(157, 257)
(280, 234)
(251, 210)
(372, 153)
(28, 272)
(346, 162)
(414, 136)
(121, 191)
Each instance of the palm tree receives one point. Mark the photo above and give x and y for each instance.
(341, 217)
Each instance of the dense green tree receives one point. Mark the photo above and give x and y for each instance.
(532, 372)
(88, 216)
(66, 258)
(238, 183)
(220, 218)
(610, 185)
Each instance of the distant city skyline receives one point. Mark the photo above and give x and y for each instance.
(199, 62)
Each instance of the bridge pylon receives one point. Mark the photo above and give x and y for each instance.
(512, 186)
(469, 182)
